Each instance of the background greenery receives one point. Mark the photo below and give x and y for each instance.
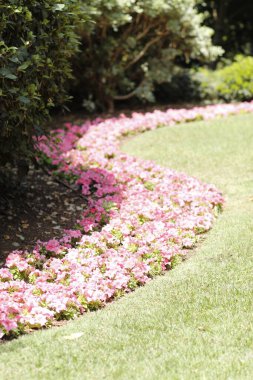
(233, 82)
(131, 46)
(232, 22)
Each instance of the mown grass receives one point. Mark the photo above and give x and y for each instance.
(196, 321)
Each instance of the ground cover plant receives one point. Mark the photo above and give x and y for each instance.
(139, 218)
(196, 320)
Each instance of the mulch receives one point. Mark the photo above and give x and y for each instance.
(39, 209)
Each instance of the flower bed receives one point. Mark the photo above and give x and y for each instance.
(138, 218)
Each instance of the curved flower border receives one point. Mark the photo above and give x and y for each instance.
(138, 219)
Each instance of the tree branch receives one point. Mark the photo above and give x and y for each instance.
(130, 95)
(143, 51)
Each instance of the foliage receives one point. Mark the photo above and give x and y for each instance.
(37, 40)
(183, 87)
(230, 83)
(131, 45)
(207, 83)
(232, 23)
(236, 80)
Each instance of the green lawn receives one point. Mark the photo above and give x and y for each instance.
(196, 322)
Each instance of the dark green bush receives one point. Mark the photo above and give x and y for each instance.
(182, 88)
(233, 82)
(37, 39)
(133, 45)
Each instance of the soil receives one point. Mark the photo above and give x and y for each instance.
(39, 209)
(79, 115)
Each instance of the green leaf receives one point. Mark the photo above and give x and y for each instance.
(11, 76)
(7, 74)
(58, 7)
(14, 59)
(24, 66)
(24, 99)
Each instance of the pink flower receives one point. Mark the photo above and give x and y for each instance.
(53, 245)
(136, 216)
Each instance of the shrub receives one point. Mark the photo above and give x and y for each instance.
(236, 80)
(183, 87)
(131, 45)
(207, 82)
(37, 38)
(233, 82)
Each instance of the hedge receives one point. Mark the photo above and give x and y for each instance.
(37, 39)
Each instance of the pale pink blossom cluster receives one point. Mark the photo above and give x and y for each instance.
(137, 218)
